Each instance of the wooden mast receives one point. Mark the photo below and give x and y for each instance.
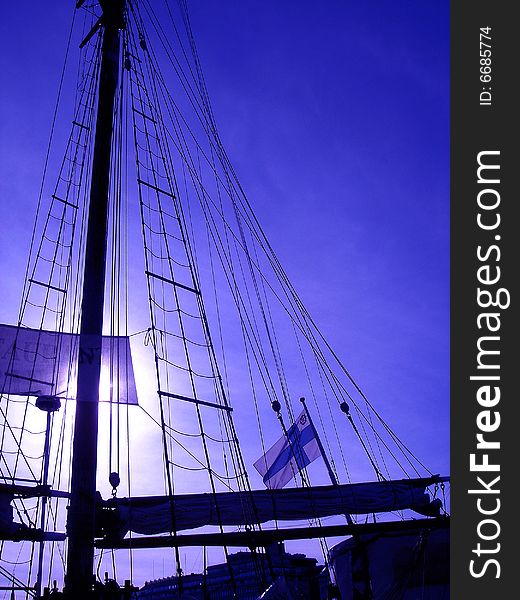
(81, 514)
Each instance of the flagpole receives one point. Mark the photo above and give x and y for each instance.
(332, 475)
(367, 592)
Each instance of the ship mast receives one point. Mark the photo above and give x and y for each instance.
(81, 514)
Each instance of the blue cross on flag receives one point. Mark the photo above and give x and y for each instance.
(289, 455)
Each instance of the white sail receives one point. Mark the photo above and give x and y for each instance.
(153, 515)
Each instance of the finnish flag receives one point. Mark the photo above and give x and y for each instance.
(290, 454)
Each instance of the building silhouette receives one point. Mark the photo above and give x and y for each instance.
(293, 575)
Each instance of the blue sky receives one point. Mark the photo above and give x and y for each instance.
(335, 115)
(336, 118)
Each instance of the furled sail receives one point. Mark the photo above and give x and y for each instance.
(159, 514)
(36, 362)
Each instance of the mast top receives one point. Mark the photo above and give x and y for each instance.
(113, 12)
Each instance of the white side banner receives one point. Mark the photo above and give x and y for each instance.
(36, 363)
